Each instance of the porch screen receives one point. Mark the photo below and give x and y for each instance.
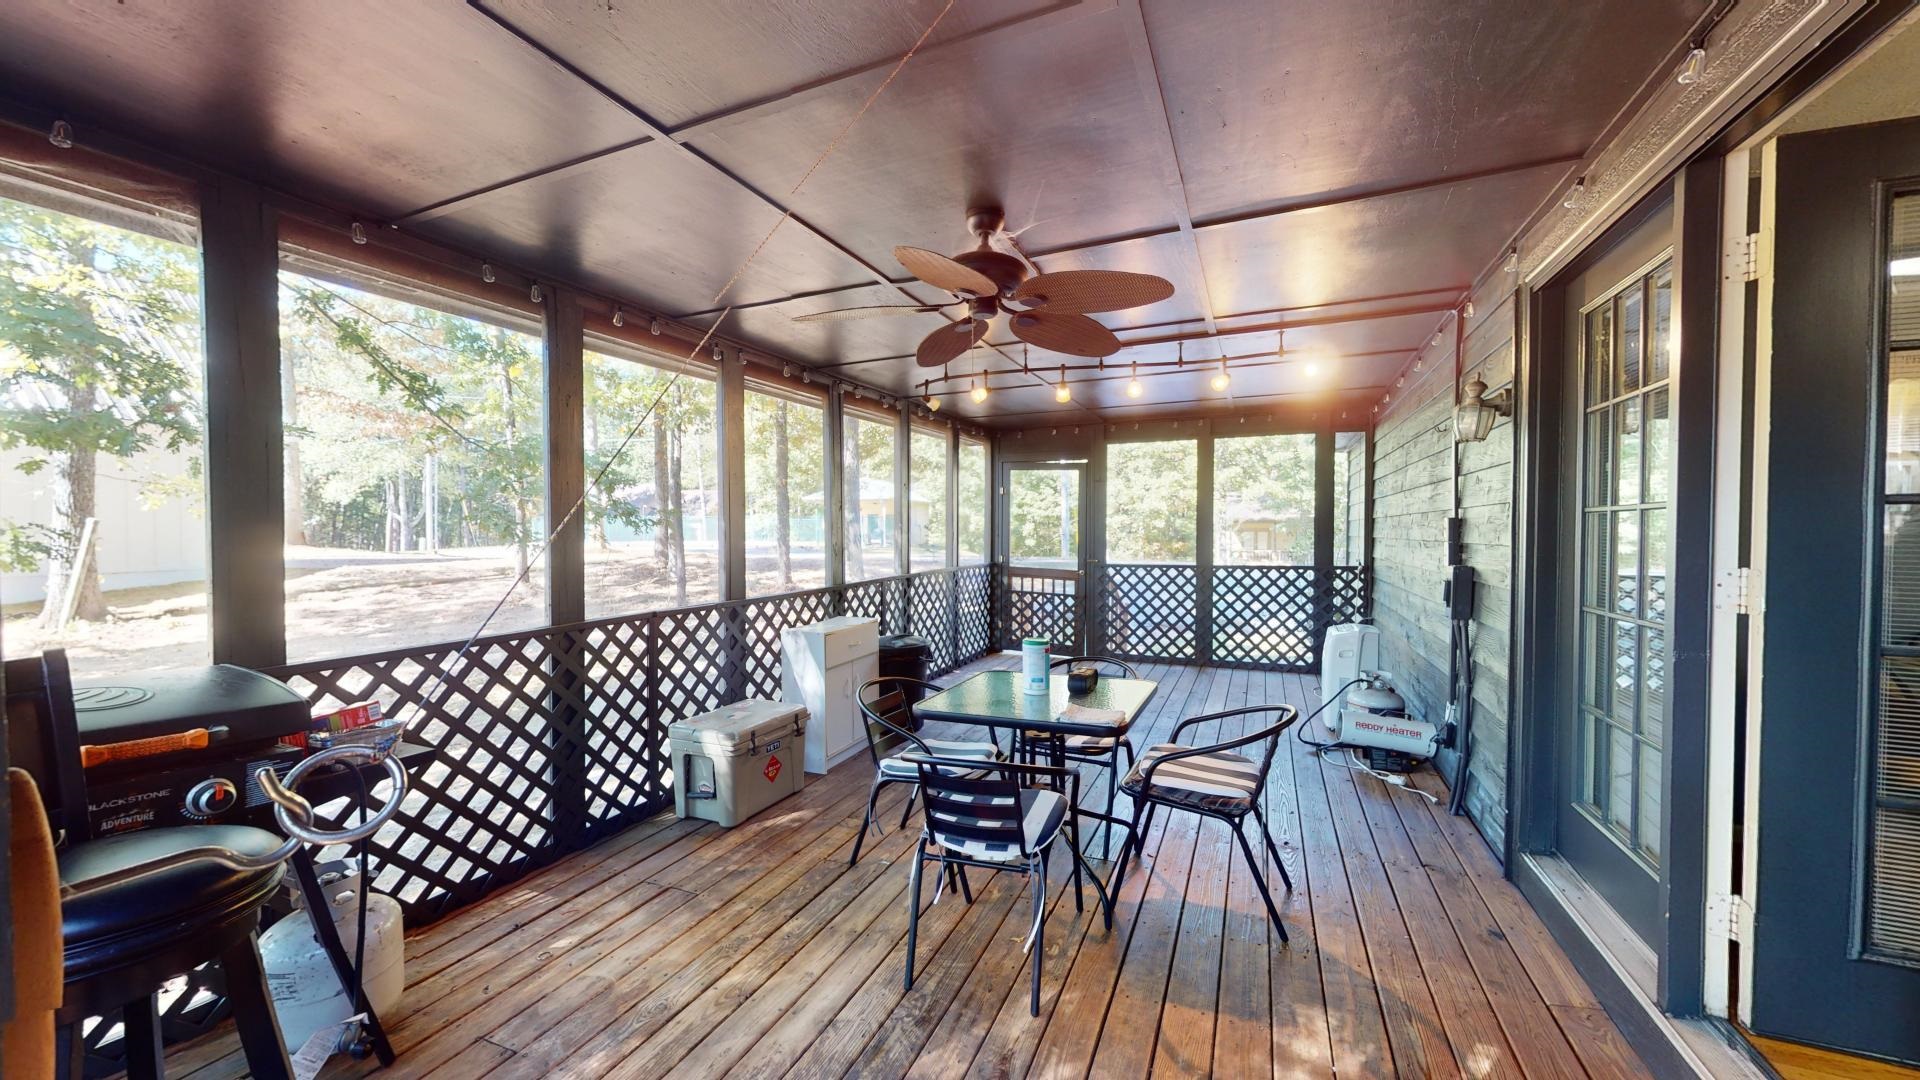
(1893, 868)
(653, 525)
(415, 492)
(786, 490)
(103, 546)
(868, 443)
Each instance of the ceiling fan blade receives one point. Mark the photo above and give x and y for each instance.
(1075, 335)
(941, 272)
(871, 311)
(948, 342)
(1081, 291)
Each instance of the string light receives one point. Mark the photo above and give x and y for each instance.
(61, 135)
(533, 294)
(654, 327)
(486, 273)
(1575, 193)
(1310, 369)
(1134, 389)
(1060, 392)
(933, 402)
(619, 317)
(1512, 265)
(359, 233)
(1221, 380)
(979, 392)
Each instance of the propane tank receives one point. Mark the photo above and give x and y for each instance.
(1376, 695)
(307, 995)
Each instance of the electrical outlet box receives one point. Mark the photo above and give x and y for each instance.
(1458, 593)
(1456, 529)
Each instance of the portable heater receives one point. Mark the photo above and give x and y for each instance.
(1361, 709)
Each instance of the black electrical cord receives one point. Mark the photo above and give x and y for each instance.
(1463, 697)
(1300, 729)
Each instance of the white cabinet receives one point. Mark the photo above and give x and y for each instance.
(823, 666)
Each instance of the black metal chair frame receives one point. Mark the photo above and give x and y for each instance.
(1146, 803)
(1030, 741)
(940, 776)
(873, 720)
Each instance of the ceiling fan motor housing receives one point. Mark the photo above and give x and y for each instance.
(1005, 271)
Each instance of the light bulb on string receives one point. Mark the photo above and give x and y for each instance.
(1134, 389)
(979, 392)
(1060, 392)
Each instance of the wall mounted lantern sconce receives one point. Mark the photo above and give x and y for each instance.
(1473, 417)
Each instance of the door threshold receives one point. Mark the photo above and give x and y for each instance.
(1623, 972)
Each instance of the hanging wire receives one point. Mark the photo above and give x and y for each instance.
(446, 671)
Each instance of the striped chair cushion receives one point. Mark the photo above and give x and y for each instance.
(1218, 781)
(1077, 744)
(901, 768)
(1041, 814)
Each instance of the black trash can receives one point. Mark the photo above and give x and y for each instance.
(906, 656)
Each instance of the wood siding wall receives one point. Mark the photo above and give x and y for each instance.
(1414, 485)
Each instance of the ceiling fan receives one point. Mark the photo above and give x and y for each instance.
(1045, 310)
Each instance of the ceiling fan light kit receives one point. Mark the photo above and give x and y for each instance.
(1045, 310)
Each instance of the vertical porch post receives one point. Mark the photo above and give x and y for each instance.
(1203, 546)
(564, 459)
(246, 564)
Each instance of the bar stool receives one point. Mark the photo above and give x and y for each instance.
(122, 941)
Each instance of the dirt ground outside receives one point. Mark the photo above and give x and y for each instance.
(347, 603)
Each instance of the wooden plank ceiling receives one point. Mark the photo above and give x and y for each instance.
(1342, 169)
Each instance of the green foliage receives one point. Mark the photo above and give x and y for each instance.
(928, 483)
(1043, 524)
(382, 385)
(972, 509)
(1263, 499)
(1152, 501)
(805, 481)
(99, 351)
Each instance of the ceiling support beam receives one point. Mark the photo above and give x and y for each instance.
(1147, 76)
(655, 130)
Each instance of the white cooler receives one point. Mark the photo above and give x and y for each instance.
(730, 764)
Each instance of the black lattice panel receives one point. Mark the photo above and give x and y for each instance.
(882, 598)
(930, 615)
(620, 740)
(483, 811)
(1152, 611)
(1042, 606)
(1266, 615)
(761, 624)
(1347, 597)
(974, 587)
(695, 662)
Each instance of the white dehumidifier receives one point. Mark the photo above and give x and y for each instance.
(1349, 651)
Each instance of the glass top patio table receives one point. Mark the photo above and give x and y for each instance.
(996, 699)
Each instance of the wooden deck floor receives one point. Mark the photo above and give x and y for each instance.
(678, 948)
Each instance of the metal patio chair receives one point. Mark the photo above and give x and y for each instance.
(1091, 749)
(1212, 781)
(887, 716)
(995, 819)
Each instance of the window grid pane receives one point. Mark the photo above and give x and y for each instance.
(1625, 476)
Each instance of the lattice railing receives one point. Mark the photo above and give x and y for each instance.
(550, 739)
(1150, 611)
(1276, 616)
(1040, 603)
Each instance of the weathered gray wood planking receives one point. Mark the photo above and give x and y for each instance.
(1414, 477)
